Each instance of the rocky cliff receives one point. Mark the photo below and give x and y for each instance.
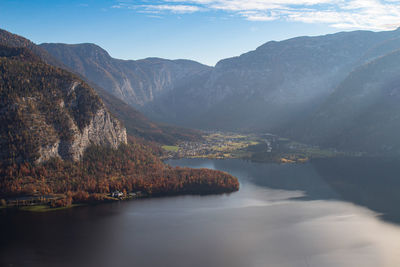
(47, 112)
(102, 130)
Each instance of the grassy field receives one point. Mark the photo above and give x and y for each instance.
(171, 148)
(45, 208)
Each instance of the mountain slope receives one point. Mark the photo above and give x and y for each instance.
(49, 112)
(273, 86)
(136, 123)
(288, 88)
(363, 113)
(140, 126)
(136, 82)
(13, 40)
(58, 141)
(267, 89)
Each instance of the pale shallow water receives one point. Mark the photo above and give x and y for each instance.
(283, 215)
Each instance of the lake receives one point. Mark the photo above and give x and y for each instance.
(340, 212)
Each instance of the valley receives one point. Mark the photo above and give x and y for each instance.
(64, 141)
(218, 133)
(256, 147)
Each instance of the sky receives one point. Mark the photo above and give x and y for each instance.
(202, 30)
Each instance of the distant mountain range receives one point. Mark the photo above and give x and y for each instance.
(304, 88)
(136, 82)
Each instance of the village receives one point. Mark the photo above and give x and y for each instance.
(256, 147)
(217, 145)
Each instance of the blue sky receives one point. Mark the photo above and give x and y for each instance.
(202, 30)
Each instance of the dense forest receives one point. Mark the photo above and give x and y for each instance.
(133, 167)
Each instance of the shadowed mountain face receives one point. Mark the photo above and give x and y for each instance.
(363, 113)
(280, 82)
(140, 126)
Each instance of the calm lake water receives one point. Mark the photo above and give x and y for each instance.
(326, 213)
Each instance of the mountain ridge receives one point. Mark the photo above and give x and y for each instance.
(134, 81)
(275, 88)
(137, 124)
(59, 140)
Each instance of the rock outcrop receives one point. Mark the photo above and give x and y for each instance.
(103, 130)
(47, 112)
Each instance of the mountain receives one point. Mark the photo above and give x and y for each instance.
(136, 82)
(276, 84)
(14, 40)
(267, 89)
(336, 90)
(363, 113)
(136, 123)
(58, 141)
(47, 112)
(140, 126)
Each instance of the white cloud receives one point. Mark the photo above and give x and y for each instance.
(178, 9)
(344, 14)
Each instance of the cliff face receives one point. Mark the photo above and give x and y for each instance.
(103, 130)
(48, 112)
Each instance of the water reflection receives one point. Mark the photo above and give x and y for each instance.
(369, 182)
(284, 215)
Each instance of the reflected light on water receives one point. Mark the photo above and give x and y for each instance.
(255, 227)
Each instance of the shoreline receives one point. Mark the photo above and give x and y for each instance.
(43, 207)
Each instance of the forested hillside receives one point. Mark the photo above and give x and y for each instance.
(57, 137)
(48, 112)
(102, 170)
